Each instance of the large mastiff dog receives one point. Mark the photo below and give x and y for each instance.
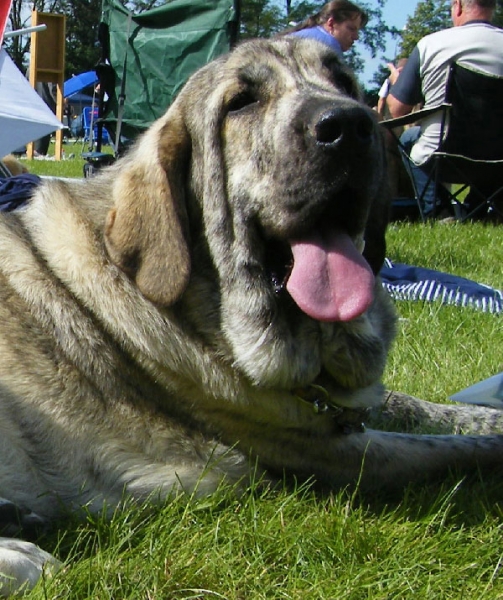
(208, 303)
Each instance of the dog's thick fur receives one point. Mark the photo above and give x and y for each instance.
(144, 347)
(13, 165)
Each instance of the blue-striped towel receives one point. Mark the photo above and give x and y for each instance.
(404, 282)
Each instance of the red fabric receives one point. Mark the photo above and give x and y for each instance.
(5, 6)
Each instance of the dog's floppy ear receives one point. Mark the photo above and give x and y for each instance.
(375, 231)
(146, 231)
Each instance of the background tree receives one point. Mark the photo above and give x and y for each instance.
(260, 18)
(429, 16)
(498, 17)
(82, 50)
(299, 11)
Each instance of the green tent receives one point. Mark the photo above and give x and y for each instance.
(153, 53)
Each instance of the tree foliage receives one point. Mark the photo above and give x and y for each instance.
(82, 51)
(260, 18)
(429, 16)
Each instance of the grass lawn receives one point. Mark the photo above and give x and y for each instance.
(429, 542)
(71, 166)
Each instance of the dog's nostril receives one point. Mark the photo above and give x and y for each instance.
(364, 127)
(352, 126)
(329, 129)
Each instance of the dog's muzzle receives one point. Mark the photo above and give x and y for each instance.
(348, 129)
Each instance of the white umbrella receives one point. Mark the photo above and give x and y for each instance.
(24, 116)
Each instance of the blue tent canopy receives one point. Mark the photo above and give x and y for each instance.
(79, 82)
(79, 98)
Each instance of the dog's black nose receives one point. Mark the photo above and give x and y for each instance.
(349, 127)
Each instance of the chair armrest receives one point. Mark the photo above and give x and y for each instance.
(413, 116)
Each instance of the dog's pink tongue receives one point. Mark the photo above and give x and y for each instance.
(330, 279)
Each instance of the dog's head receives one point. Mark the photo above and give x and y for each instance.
(249, 205)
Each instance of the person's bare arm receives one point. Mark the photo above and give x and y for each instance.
(397, 108)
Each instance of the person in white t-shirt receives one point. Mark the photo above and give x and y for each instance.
(386, 86)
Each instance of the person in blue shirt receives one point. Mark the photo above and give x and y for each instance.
(337, 25)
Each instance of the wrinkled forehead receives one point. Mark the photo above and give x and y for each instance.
(276, 67)
(290, 63)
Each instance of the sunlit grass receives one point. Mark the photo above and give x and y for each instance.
(291, 544)
(443, 349)
(72, 164)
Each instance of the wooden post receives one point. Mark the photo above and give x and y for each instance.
(47, 64)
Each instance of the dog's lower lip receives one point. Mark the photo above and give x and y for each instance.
(279, 283)
(279, 260)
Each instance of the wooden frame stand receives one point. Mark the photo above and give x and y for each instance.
(47, 64)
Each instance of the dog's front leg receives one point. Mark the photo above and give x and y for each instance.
(406, 413)
(376, 459)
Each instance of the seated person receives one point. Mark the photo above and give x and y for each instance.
(76, 127)
(473, 42)
(337, 25)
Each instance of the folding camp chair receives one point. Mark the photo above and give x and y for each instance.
(470, 152)
(90, 126)
(187, 34)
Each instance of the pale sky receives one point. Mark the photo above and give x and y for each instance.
(395, 13)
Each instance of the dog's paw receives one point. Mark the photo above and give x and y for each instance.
(21, 565)
(17, 522)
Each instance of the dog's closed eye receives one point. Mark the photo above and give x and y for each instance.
(344, 82)
(241, 101)
(340, 78)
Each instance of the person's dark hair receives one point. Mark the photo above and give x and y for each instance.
(339, 10)
(484, 4)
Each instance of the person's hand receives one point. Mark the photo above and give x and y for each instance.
(394, 73)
